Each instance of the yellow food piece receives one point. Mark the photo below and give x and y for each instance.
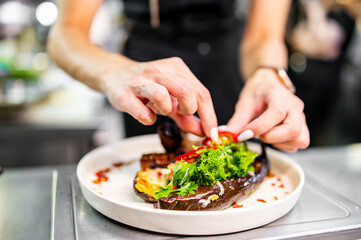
(171, 166)
(149, 180)
(214, 197)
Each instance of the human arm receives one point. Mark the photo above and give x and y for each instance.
(265, 106)
(165, 86)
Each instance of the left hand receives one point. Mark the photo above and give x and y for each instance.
(271, 112)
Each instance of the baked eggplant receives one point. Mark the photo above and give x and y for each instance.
(159, 171)
(222, 194)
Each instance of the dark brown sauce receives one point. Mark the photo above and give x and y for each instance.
(118, 164)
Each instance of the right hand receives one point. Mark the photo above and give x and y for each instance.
(271, 112)
(166, 87)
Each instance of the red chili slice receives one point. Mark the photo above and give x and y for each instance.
(206, 141)
(227, 134)
(191, 155)
(230, 135)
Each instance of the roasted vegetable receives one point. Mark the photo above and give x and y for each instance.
(211, 177)
(156, 160)
(171, 137)
(148, 181)
(222, 194)
(151, 176)
(175, 143)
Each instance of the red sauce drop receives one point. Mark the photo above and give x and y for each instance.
(101, 176)
(261, 200)
(105, 225)
(276, 198)
(270, 175)
(159, 174)
(282, 186)
(286, 192)
(279, 179)
(237, 206)
(273, 184)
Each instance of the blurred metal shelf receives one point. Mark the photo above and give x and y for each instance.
(26, 145)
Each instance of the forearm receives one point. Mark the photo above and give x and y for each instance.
(263, 41)
(269, 52)
(72, 50)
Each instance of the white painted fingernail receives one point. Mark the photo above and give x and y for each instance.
(214, 134)
(245, 135)
(222, 127)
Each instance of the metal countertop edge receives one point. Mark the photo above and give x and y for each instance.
(315, 233)
(72, 206)
(53, 202)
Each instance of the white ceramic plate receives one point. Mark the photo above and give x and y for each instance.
(116, 199)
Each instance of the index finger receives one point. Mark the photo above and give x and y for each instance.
(205, 110)
(192, 96)
(183, 91)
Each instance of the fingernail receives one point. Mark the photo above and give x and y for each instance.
(214, 134)
(245, 135)
(222, 127)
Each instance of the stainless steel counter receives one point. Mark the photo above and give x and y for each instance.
(328, 207)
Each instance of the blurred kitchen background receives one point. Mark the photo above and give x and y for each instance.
(46, 117)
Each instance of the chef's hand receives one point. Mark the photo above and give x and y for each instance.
(269, 111)
(166, 87)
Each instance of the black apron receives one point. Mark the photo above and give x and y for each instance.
(204, 33)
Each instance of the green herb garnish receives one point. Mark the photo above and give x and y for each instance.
(225, 162)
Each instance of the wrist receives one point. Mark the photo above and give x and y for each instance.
(281, 75)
